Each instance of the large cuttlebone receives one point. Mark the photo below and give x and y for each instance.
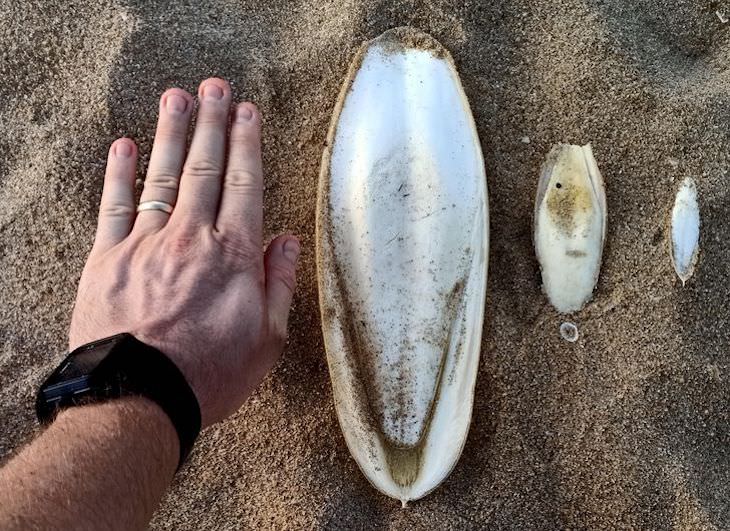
(570, 225)
(402, 252)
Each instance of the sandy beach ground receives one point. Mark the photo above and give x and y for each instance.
(627, 428)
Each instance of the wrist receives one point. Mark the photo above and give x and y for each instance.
(130, 422)
(122, 366)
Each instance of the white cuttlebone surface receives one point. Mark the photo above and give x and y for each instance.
(403, 249)
(570, 226)
(685, 230)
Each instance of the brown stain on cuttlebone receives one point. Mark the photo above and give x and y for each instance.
(405, 463)
(569, 198)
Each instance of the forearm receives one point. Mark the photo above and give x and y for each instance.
(102, 466)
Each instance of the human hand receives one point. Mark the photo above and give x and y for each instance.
(195, 283)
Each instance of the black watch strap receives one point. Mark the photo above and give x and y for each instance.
(126, 367)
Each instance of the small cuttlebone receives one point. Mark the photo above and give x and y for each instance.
(402, 253)
(685, 230)
(570, 225)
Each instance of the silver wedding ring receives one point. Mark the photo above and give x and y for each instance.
(155, 205)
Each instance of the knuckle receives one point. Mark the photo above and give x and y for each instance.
(172, 131)
(212, 114)
(181, 243)
(285, 275)
(203, 168)
(162, 179)
(242, 251)
(245, 135)
(243, 181)
(116, 209)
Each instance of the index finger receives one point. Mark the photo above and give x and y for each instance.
(241, 207)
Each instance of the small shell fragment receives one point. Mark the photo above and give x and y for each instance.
(569, 332)
(685, 230)
(570, 225)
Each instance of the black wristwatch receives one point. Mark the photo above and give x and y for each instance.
(122, 366)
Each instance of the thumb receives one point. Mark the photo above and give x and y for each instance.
(280, 263)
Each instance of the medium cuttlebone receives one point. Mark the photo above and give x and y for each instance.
(402, 252)
(570, 225)
(685, 230)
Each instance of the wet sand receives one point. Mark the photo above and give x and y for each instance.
(627, 427)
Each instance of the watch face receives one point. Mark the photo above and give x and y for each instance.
(84, 362)
(73, 375)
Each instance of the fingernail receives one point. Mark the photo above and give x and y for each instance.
(175, 104)
(244, 113)
(212, 91)
(123, 149)
(291, 250)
